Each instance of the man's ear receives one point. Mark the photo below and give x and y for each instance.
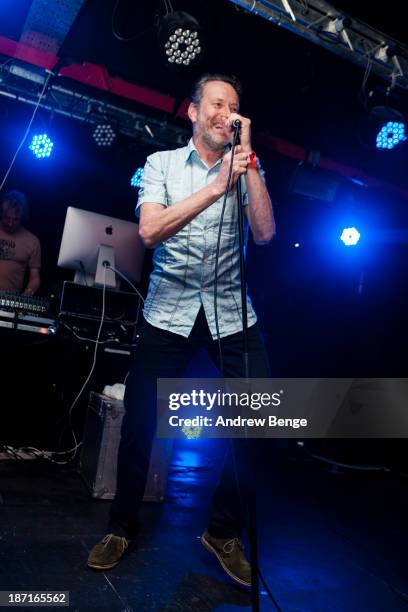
(192, 112)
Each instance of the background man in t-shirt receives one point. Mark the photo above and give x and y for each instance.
(20, 251)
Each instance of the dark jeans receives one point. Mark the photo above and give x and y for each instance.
(162, 354)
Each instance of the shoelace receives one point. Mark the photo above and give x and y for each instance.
(229, 546)
(108, 538)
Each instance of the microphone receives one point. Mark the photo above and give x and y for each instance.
(236, 124)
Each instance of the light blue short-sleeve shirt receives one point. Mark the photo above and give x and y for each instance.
(184, 265)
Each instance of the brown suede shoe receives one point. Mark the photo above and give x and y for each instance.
(230, 554)
(107, 553)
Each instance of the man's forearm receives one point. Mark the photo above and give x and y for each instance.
(260, 213)
(157, 228)
(32, 288)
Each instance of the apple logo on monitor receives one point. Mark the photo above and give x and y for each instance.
(109, 230)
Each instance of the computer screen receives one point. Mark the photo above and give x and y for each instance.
(88, 235)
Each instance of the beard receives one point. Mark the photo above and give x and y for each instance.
(215, 142)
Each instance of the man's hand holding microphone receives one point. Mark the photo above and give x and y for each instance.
(241, 154)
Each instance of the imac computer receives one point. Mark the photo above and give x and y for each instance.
(92, 242)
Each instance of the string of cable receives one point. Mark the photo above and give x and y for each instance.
(42, 93)
(119, 36)
(362, 94)
(235, 142)
(22, 452)
(125, 278)
(168, 6)
(217, 251)
(97, 342)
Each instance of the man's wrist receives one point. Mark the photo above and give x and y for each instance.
(253, 162)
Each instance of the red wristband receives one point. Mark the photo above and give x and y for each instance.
(252, 160)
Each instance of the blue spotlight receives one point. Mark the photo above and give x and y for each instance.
(136, 179)
(41, 146)
(391, 134)
(350, 236)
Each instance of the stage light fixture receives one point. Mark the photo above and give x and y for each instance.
(191, 433)
(350, 236)
(388, 127)
(181, 39)
(384, 53)
(136, 179)
(41, 146)
(334, 30)
(391, 134)
(288, 9)
(104, 135)
(387, 53)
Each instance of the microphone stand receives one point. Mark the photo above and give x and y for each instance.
(250, 480)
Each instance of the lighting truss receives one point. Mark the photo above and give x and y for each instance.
(323, 24)
(21, 83)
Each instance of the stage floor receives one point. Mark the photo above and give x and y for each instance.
(327, 541)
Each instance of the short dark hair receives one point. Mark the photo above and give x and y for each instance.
(197, 92)
(16, 199)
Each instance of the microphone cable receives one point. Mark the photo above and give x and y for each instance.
(217, 251)
(236, 126)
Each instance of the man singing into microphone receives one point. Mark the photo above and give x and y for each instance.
(180, 204)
